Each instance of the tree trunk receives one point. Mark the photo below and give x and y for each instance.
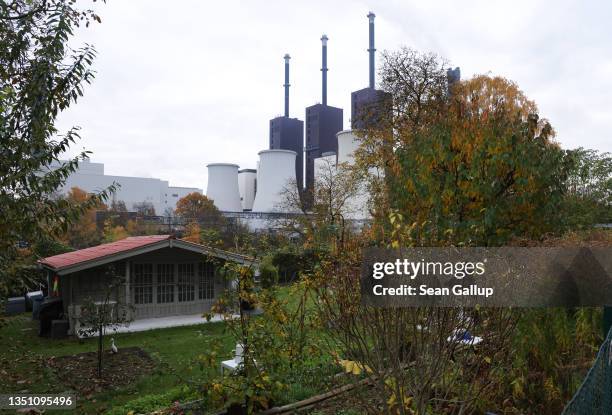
(100, 352)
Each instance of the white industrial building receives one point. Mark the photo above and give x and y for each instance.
(90, 177)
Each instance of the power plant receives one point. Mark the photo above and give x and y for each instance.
(322, 124)
(281, 169)
(288, 133)
(367, 103)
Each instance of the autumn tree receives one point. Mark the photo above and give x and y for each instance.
(323, 215)
(471, 163)
(197, 207)
(84, 232)
(193, 232)
(113, 233)
(507, 174)
(40, 76)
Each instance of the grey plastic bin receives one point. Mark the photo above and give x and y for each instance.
(30, 297)
(15, 305)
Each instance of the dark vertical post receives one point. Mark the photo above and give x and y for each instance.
(286, 85)
(371, 49)
(607, 320)
(324, 68)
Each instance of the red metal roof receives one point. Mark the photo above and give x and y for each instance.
(88, 254)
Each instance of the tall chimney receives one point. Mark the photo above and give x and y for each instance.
(287, 84)
(324, 68)
(371, 50)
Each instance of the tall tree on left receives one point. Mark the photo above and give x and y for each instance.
(40, 76)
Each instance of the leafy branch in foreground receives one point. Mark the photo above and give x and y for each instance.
(40, 76)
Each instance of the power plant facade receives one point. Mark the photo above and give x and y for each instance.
(368, 107)
(369, 104)
(322, 123)
(288, 134)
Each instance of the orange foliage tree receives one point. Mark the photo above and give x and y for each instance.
(471, 163)
(196, 206)
(83, 232)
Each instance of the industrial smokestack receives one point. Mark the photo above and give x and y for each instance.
(324, 67)
(371, 50)
(287, 84)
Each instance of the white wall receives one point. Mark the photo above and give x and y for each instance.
(90, 177)
(247, 183)
(276, 172)
(222, 186)
(356, 206)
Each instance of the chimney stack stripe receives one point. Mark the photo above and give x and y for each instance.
(324, 68)
(286, 85)
(371, 49)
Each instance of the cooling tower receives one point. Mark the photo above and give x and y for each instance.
(247, 185)
(356, 207)
(324, 166)
(276, 173)
(348, 142)
(223, 187)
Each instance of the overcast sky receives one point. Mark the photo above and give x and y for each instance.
(185, 83)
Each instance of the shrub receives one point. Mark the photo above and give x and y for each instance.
(268, 274)
(153, 402)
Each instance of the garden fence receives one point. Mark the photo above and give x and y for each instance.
(594, 397)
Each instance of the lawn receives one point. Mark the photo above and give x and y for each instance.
(24, 356)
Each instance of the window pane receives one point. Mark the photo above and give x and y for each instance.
(165, 283)
(186, 283)
(142, 283)
(206, 274)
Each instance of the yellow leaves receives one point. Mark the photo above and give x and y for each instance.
(353, 367)
(518, 387)
(217, 388)
(393, 401)
(404, 399)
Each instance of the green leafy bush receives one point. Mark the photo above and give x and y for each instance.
(150, 403)
(268, 273)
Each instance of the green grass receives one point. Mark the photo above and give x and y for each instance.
(23, 354)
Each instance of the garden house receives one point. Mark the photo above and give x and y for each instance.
(157, 275)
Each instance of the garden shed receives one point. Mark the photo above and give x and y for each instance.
(159, 276)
